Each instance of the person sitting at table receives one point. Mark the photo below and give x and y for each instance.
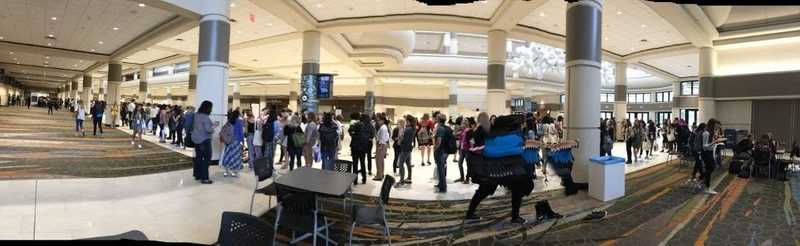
(742, 149)
(795, 150)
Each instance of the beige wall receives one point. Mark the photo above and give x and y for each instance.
(735, 114)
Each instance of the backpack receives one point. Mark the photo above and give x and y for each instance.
(268, 132)
(226, 134)
(449, 144)
(697, 142)
(328, 137)
(298, 139)
(504, 145)
(188, 125)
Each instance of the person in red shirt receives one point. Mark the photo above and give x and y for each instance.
(425, 138)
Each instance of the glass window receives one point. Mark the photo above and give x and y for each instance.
(606, 114)
(665, 96)
(662, 117)
(181, 67)
(690, 88)
(563, 99)
(638, 116)
(128, 77)
(162, 70)
(639, 98)
(607, 97)
(647, 98)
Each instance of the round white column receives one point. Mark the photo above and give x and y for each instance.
(676, 98)
(143, 94)
(87, 91)
(452, 102)
(620, 95)
(705, 102)
(212, 65)
(192, 88)
(496, 95)
(294, 86)
(114, 82)
(311, 51)
(237, 97)
(583, 82)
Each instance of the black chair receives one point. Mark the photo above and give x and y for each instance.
(130, 235)
(367, 215)
(240, 229)
(343, 166)
(263, 171)
(762, 160)
(298, 211)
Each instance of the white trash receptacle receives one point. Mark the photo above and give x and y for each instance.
(606, 177)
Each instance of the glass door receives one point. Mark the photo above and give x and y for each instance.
(638, 116)
(606, 114)
(662, 117)
(690, 115)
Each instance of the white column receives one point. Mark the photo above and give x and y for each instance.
(676, 93)
(311, 53)
(169, 95)
(705, 103)
(452, 105)
(237, 97)
(212, 65)
(114, 82)
(369, 97)
(294, 87)
(192, 92)
(496, 95)
(583, 82)
(87, 91)
(262, 102)
(143, 87)
(620, 95)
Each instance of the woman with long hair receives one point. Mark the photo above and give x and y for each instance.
(80, 116)
(232, 157)
(139, 123)
(312, 135)
(202, 131)
(425, 138)
(293, 147)
(406, 138)
(709, 143)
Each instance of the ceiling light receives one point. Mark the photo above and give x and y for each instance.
(541, 14)
(268, 24)
(233, 5)
(1, 38)
(142, 5)
(238, 32)
(15, 58)
(115, 28)
(81, 61)
(619, 12)
(319, 5)
(99, 42)
(49, 44)
(11, 52)
(606, 39)
(53, 18)
(92, 50)
(50, 35)
(643, 25)
(17, 63)
(46, 57)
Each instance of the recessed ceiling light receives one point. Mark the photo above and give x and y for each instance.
(81, 61)
(319, 5)
(179, 39)
(115, 28)
(11, 52)
(50, 35)
(49, 44)
(268, 24)
(606, 39)
(46, 57)
(142, 5)
(1, 38)
(643, 25)
(53, 18)
(99, 42)
(15, 58)
(541, 14)
(619, 12)
(92, 50)
(233, 5)
(238, 32)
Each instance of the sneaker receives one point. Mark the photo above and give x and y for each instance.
(459, 180)
(133, 143)
(377, 179)
(235, 175)
(206, 181)
(225, 174)
(710, 191)
(408, 181)
(518, 220)
(140, 146)
(472, 217)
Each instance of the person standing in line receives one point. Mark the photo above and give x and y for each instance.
(139, 123)
(407, 139)
(698, 153)
(202, 131)
(382, 143)
(439, 154)
(396, 146)
(154, 118)
(171, 123)
(188, 126)
(49, 106)
(372, 127)
(268, 135)
(258, 132)
(627, 134)
(162, 121)
(340, 130)
(612, 129)
(114, 114)
(131, 108)
(250, 135)
(97, 117)
(80, 116)
(651, 138)
(178, 140)
(468, 124)
(638, 138)
(478, 142)
(328, 141)
(424, 138)
(312, 135)
(294, 148)
(709, 144)
(232, 156)
(359, 142)
(123, 113)
(280, 137)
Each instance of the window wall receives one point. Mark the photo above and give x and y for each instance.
(171, 69)
(639, 98)
(607, 97)
(690, 115)
(662, 117)
(690, 88)
(664, 96)
(638, 116)
(606, 114)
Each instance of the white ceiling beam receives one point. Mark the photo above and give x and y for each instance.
(405, 23)
(268, 40)
(10, 66)
(683, 21)
(511, 12)
(290, 12)
(54, 52)
(166, 30)
(702, 19)
(757, 38)
(654, 71)
(179, 7)
(760, 30)
(669, 51)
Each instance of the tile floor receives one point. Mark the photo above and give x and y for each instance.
(171, 206)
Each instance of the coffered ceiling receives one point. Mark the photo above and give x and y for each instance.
(323, 10)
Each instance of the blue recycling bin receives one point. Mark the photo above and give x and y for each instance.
(606, 177)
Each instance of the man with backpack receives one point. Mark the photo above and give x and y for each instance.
(444, 145)
(328, 141)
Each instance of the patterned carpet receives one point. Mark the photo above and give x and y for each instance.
(35, 145)
(659, 208)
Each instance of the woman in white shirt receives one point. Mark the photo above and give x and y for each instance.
(80, 116)
(382, 140)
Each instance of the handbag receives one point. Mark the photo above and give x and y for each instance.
(298, 139)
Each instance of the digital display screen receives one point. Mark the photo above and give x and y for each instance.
(324, 85)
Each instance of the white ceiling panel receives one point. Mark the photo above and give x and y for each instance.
(681, 66)
(335, 9)
(77, 24)
(148, 55)
(428, 41)
(23, 58)
(625, 24)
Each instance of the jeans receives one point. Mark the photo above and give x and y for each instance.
(698, 165)
(97, 122)
(358, 159)
(395, 160)
(628, 146)
(78, 125)
(441, 169)
(251, 152)
(461, 157)
(202, 155)
(161, 135)
(269, 152)
(295, 154)
(404, 158)
(328, 158)
(155, 125)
